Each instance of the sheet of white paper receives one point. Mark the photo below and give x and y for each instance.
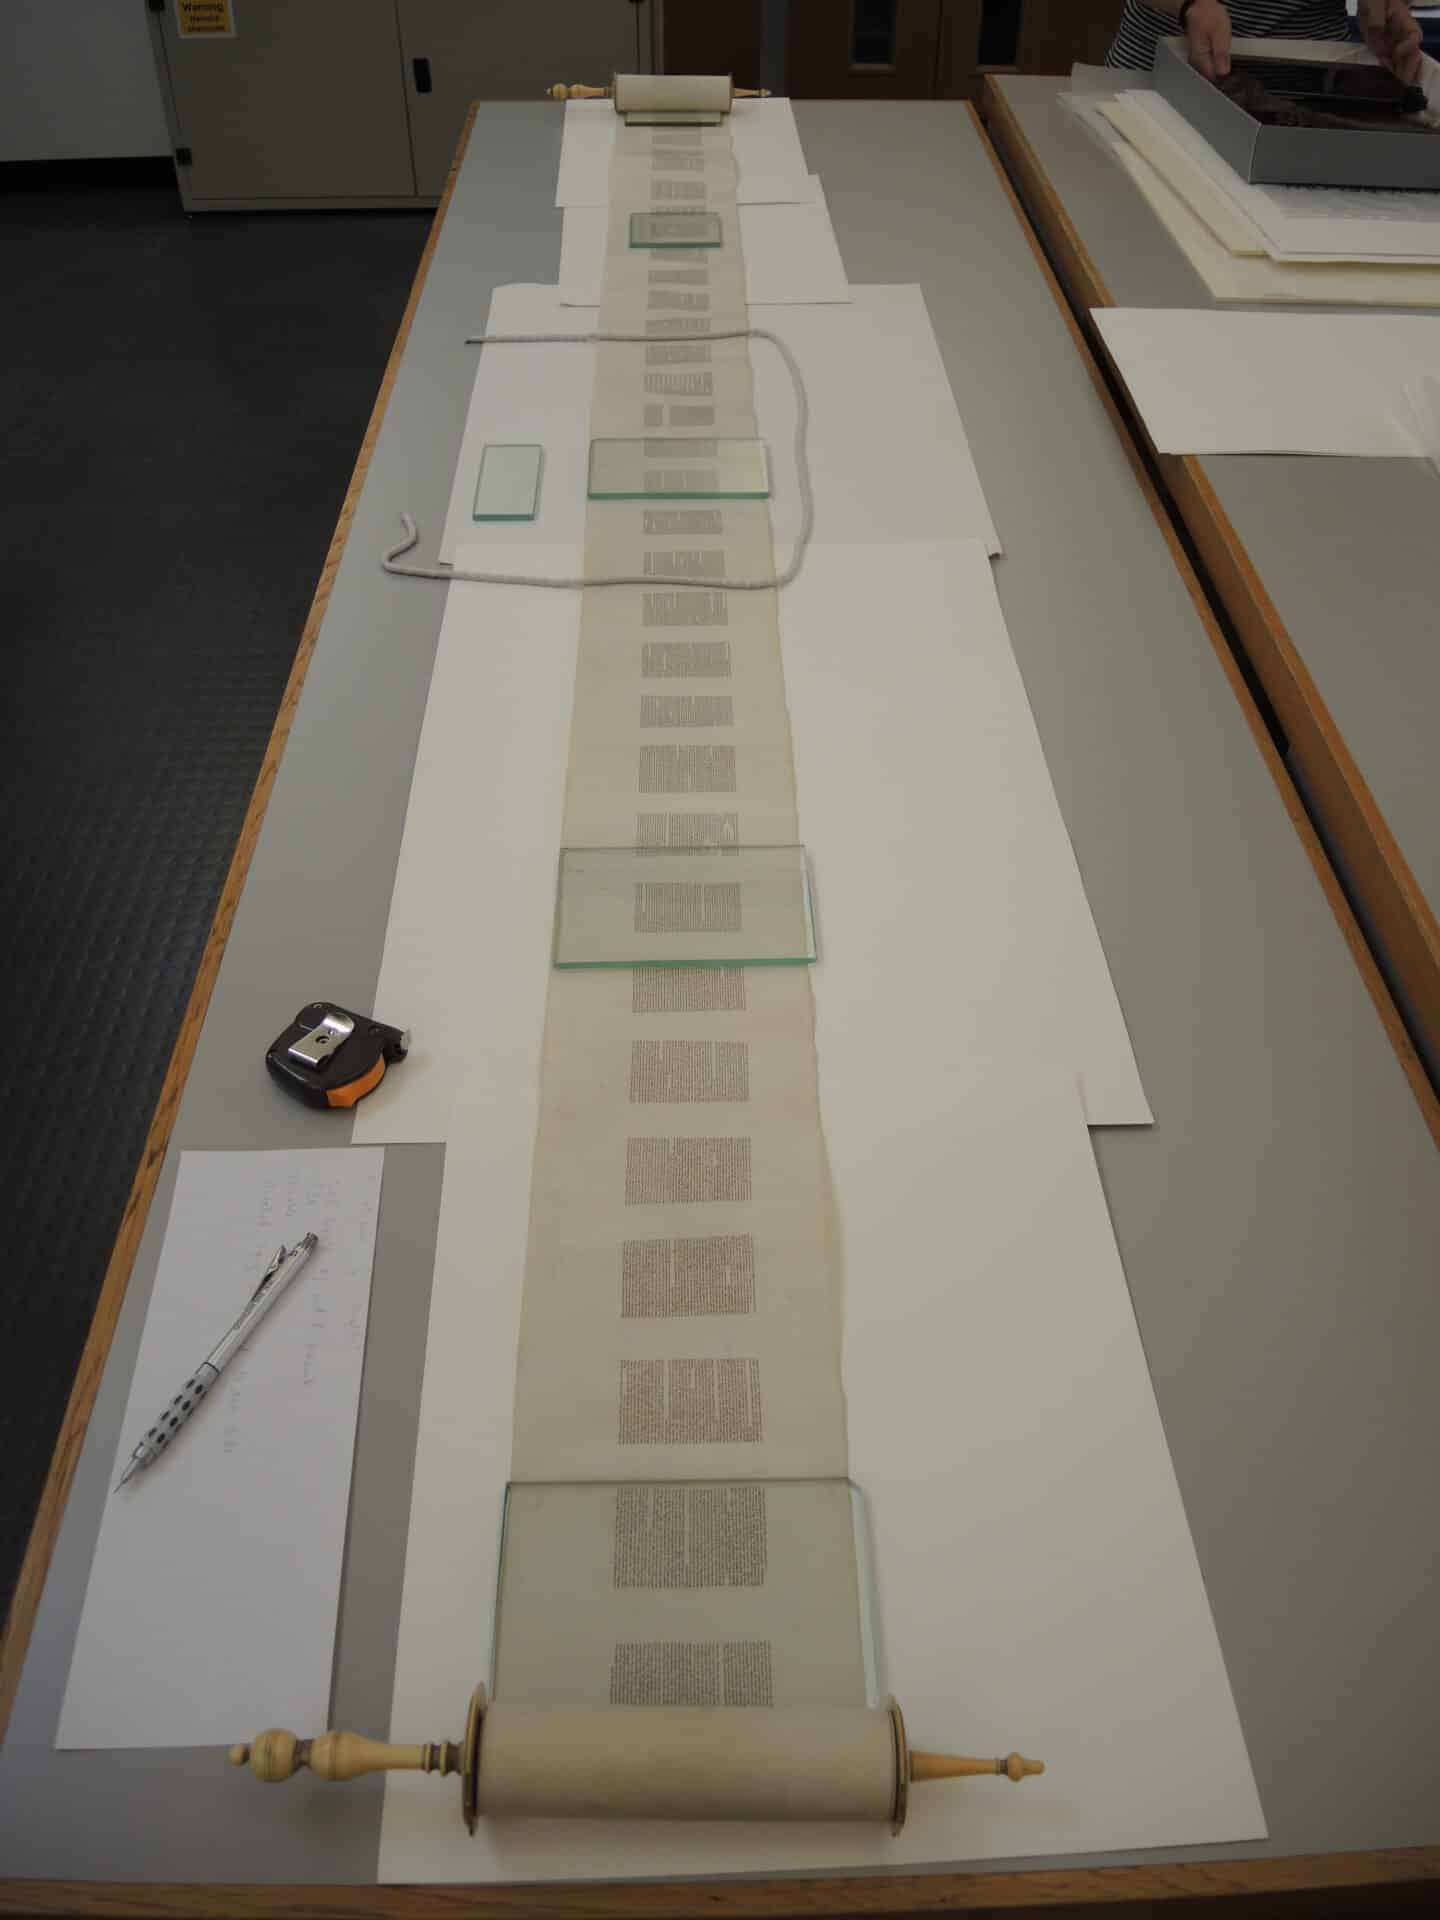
(888, 455)
(473, 907)
(1207, 382)
(946, 888)
(180, 1642)
(1039, 1591)
(768, 153)
(1310, 223)
(791, 255)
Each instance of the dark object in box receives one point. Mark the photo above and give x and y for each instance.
(1293, 156)
(1324, 93)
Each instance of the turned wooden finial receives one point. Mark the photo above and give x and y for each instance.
(954, 1766)
(277, 1755)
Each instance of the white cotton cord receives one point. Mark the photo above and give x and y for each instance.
(782, 576)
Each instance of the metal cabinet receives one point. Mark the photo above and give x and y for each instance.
(316, 103)
(505, 50)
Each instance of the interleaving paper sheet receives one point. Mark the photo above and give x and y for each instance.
(1209, 382)
(769, 160)
(889, 459)
(181, 1640)
(791, 255)
(1037, 1583)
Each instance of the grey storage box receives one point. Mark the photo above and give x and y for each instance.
(1293, 156)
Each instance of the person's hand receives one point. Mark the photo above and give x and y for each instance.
(1392, 35)
(1207, 33)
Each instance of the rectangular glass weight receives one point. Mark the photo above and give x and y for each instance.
(672, 117)
(670, 469)
(509, 484)
(685, 1593)
(684, 906)
(676, 230)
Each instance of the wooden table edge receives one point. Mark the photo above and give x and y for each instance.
(1095, 1889)
(43, 1534)
(1089, 1890)
(1404, 919)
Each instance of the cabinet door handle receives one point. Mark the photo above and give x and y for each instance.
(421, 69)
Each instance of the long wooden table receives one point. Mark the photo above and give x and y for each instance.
(1329, 569)
(1278, 1224)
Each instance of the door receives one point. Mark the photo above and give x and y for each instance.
(721, 36)
(1054, 34)
(457, 51)
(300, 100)
(863, 49)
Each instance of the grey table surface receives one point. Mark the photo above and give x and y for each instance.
(1349, 550)
(1280, 1223)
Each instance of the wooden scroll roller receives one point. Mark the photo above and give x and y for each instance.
(670, 1763)
(664, 92)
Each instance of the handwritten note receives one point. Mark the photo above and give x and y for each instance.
(214, 1590)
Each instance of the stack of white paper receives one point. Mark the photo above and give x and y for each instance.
(1322, 224)
(1294, 245)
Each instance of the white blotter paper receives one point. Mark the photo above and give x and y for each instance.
(180, 1640)
(1037, 1582)
(791, 254)
(952, 845)
(473, 908)
(768, 153)
(1208, 382)
(889, 459)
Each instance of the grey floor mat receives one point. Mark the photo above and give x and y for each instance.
(181, 404)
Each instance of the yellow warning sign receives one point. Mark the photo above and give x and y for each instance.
(205, 19)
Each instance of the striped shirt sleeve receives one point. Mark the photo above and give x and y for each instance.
(1141, 26)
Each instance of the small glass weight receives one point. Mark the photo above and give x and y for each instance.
(672, 117)
(684, 906)
(671, 469)
(676, 230)
(508, 487)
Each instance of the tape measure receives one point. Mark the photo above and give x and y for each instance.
(329, 1057)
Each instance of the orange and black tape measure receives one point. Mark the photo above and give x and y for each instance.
(329, 1057)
